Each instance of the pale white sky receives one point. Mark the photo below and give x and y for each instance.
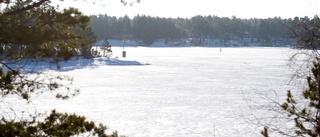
(190, 8)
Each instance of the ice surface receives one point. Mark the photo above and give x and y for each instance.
(190, 91)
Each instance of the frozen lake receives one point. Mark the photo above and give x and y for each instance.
(189, 91)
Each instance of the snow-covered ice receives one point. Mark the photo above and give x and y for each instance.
(189, 91)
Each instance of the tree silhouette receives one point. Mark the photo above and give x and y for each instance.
(34, 30)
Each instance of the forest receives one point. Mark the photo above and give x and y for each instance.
(149, 28)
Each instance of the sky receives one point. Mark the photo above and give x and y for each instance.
(190, 8)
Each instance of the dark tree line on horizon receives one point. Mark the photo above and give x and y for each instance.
(149, 28)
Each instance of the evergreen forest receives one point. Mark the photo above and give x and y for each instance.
(148, 29)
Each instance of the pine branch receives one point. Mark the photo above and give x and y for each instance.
(29, 7)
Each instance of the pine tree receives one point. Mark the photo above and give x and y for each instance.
(106, 48)
(306, 118)
(35, 29)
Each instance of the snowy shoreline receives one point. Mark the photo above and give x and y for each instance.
(189, 42)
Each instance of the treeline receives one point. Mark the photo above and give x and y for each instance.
(149, 28)
(143, 27)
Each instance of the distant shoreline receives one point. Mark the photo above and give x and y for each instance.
(206, 42)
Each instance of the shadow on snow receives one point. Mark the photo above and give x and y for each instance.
(28, 65)
(118, 62)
